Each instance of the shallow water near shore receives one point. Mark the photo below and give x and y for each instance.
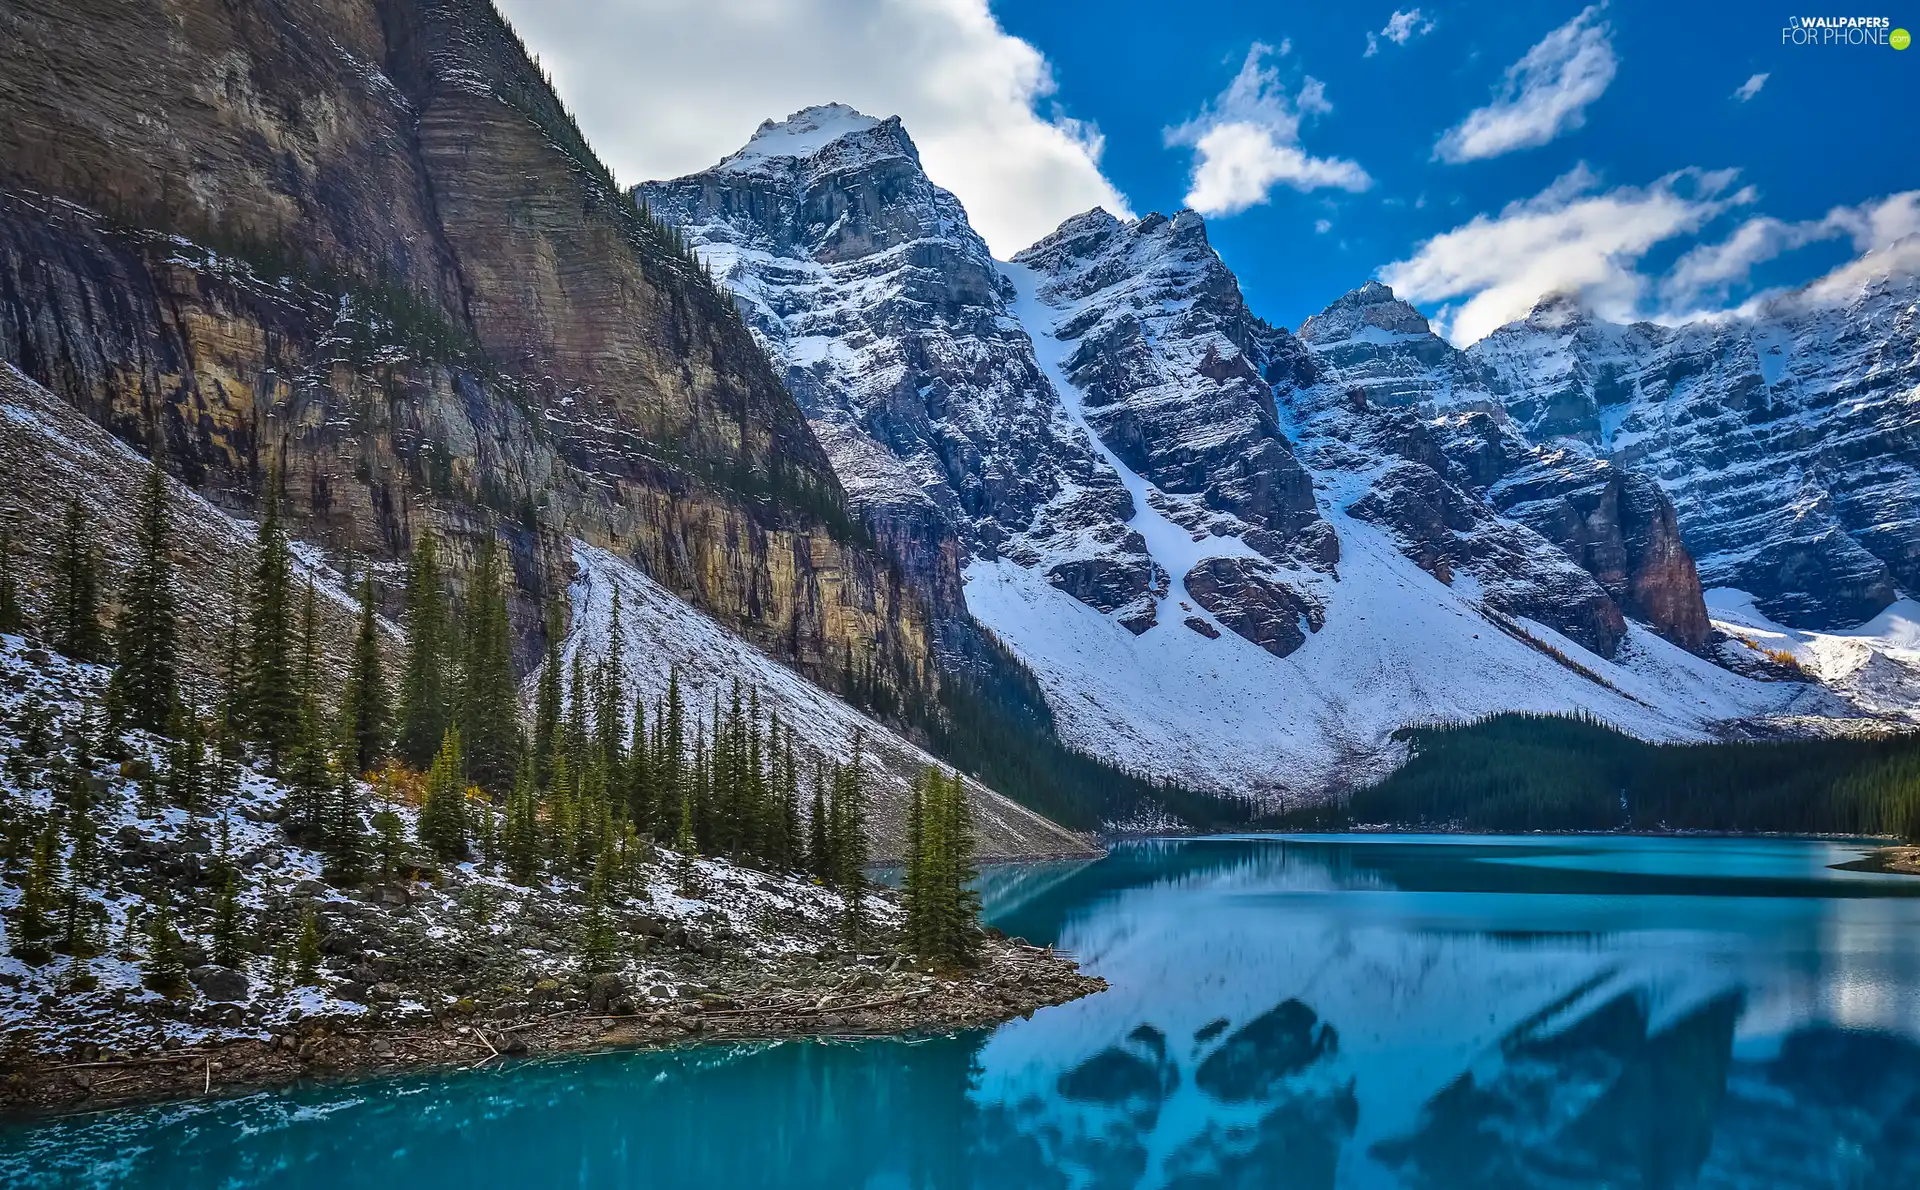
(1299, 1011)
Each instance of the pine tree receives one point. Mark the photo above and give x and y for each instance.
(187, 760)
(228, 945)
(546, 703)
(522, 831)
(683, 842)
(562, 821)
(34, 919)
(598, 941)
(819, 832)
(271, 692)
(306, 952)
(960, 902)
(577, 733)
(425, 687)
(670, 759)
(443, 819)
(609, 720)
(639, 791)
(13, 617)
(145, 635)
(77, 594)
(345, 834)
(914, 887)
(849, 830)
(309, 773)
(165, 968)
(364, 713)
(489, 703)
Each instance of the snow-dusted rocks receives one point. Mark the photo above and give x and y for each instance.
(1785, 436)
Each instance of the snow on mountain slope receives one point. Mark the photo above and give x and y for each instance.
(1787, 436)
(1083, 450)
(1875, 666)
(1396, 647)
(665, 635)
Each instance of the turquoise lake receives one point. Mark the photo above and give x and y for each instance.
(1299, 1011)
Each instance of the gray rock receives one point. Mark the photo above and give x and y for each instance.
(604, 990)
(220, 983)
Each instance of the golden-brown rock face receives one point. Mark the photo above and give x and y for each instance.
(361, 243)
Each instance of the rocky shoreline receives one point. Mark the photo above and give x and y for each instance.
(871, 996)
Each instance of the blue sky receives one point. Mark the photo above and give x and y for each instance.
(1474, 155)
(1820, 132)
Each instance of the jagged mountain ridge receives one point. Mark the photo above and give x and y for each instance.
(1214, 623)
(1786, 436)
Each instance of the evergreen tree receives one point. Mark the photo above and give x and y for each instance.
(683, 842)
(77, 592)
(443, 819)
(562, 819)
(13, 617)
(670, 764)
(546, 703)
(345, 835)
(489, 703)
(34, 919)
(522, 843)
(165, 969)
(914, 887)
(309, 772)
(187, 760)
(306, 952)
(426, 695)
(364, 712)
(819, 832)
(578, 732)
(228, 945)
(271, 691)
(147, 680)
(598, 941)
(960, 903)
(849, 829)
(609, 720)
(639, 791)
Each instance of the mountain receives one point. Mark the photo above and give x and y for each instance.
(1786, 436)
(1230, 554)
(359, 253)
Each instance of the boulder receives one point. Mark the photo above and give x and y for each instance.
(605, 989)
(220, 983)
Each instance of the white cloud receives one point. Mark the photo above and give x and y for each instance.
(1248, 141)
(1751, 87)
(1882, 232)
(1401, 28)
(668, 87)
(1544, 94)
(1322, 226)
(1569, 238)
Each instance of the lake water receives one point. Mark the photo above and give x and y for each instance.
(1340, 1011)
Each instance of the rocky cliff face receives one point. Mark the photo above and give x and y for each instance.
(359, 244)
(893, 326)
(1786, 437)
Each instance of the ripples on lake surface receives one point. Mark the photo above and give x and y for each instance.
(1340, 1011)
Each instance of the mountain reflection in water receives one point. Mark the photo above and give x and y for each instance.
(1338, 1012)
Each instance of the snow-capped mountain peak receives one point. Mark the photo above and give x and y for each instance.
(810, 131)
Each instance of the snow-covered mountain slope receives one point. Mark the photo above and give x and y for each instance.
(1788, 437)
(1211, 584)
(665, 636)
